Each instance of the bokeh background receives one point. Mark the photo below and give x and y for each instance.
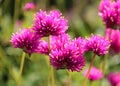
(83, 19)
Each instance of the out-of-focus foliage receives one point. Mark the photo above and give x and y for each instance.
(83, 20)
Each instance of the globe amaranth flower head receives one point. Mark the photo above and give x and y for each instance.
(97, 44)
(43, 47)
(56, 42)
(114, 37)
(80, 43)
(49, 24)
(26, 40)
(95, 74)
(29, 6)
(68, 56)
(114, 78)
(110, 13)
(59, 41)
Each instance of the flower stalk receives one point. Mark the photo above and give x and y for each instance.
(21, 69)
(88, 72)
(70, 77)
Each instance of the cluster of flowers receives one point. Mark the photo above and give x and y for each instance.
(67, 53)
(64, 52)
(110, 13)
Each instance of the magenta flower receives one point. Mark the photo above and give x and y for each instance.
(29, 6)
(109, 11)
(25, 40)
(59, 41)
(43, 48)
(67, 55)
(80, 43)
(49, 24)
(97, 44)
(114, 79)
(56, 42)
(114, 37)
(95, 74)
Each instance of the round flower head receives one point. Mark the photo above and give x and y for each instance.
(43, 47)
(29, 6)
(95, 74)
(55, 43)
(59, 41)
(80, 43)
(68, 56)
(97, 44)
(26, 40)
(114, 36)
(49, 24)
(114, 79)
(110, 12)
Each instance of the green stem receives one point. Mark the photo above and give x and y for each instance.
(21, 69)
(91, 63)
(70, 77)
(16, 10)
(52, 76)
(91, 82)
(104, 63)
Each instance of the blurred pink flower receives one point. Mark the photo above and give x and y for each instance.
(114, 79)
(29, 6)
(114, 37)
(95, 74)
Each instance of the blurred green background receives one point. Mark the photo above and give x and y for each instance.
(83, 19)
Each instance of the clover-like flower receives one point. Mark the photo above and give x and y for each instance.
(80, 43)
(110, 13)
(97, 44)
(114, 79)
(95, 74)
(58, 42)
(49, 24)
(43, 47)
(26, 40)
(114, 37)
(68, 56)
